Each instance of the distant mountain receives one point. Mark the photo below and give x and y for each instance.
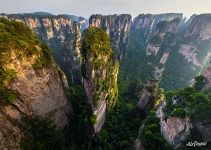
(39, 13)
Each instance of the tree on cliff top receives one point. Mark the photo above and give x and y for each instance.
(96, 41)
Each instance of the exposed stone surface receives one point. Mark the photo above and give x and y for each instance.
(100, 112)
(146, 95)
(175, 130)
(137, 145)
(117, 27)
(189, 52)
(207, 75)
(9, 134)
(102, 97)
(170, 40)
(164, 58)
(99, 75)
(146, 24)
(41, 91)
(62, 34)
(200, 25)
(38, 89)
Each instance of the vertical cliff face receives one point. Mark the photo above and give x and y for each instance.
(62, 34)
(30, 83)
(191, 51)
(167, 41)
(148, 25)
(146, 95)
(174, 129)
(117, 27)
(99, 72)
(207, 75)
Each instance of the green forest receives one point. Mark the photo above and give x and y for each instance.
(125, 122)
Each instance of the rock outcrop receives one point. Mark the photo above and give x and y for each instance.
(174, 129)
(62, 34)
(99, 72)
(31, 85)
(149, 25)
(117, 27)
(146, 95)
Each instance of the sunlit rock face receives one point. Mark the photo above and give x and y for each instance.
(41, 92)
(62, 34)
(37, 86)
(117, 27)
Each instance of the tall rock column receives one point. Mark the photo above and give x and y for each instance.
(99, 74)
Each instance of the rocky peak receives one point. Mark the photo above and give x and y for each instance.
(200, 26)
(117, 27)
(148, 24)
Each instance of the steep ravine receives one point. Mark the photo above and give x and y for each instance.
(152, 46)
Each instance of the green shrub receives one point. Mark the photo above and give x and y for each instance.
(194, 102)
(150, 135)
(7, 96)
(179, 112)
(199, 82)
(14, 36)
(96, 41)
(41, 134)
(94, 119)
(6, 76)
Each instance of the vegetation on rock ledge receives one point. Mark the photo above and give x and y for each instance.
(18, 41)
(98, 65)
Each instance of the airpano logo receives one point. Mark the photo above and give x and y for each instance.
(196, 143)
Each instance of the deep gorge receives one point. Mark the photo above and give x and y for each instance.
(112, 82)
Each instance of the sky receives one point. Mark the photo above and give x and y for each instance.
(86, 8)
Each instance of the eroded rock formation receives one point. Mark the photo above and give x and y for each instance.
(169, 41)
(62, 34)
(146, 95)
(31, 85)
(117, 27)
(174, 129)
(99, 72)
